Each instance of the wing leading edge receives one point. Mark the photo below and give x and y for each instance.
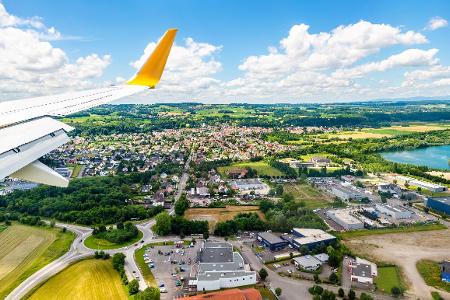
(27, 132)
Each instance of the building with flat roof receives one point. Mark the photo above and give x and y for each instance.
(220, 267)
(363, 271)
(271, 241)
(345, 219)
(441, 204)
(423, 184)
(310, 238)
(394, 211)
(307, 262)
(346, 193)
(233, 294)
(246, 186)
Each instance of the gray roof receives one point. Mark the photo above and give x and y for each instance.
(445, 200)
(307, 261)
(271, 238)
(362, 270)
(216, 253)
(236, 265)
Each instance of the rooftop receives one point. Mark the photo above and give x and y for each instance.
(233, 294)
(307, 261)
(216, 253)
(362, 270)
(271, 238)
(445, 200)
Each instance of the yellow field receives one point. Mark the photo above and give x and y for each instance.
(20, 247)
(214, 215)
(89, 279)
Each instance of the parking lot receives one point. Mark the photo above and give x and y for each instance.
(171, 265)
(289, 269)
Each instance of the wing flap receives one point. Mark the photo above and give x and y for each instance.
(40, 173)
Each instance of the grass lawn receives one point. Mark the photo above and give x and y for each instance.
(415, 228)
(88, 279)
(430, 272)
(26, 249)
(146, 271)
(388, 277)
(101, 244)
(214, 215)
(311, 197)
(261, 167)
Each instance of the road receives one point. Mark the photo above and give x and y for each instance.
(79, 251)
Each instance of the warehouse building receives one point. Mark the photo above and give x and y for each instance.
(394, 211)
(345, 219)
(439, 204)
(363, 271)
(307, 262)
(219, 267)
(246, 186)
(423, 184)
(346, 193)
(310, 238)
(271, 241)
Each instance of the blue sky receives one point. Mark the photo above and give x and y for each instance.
(237, 30)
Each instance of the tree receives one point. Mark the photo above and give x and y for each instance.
(133, 287)
(181, 205)
(263, 274)
(304, 250)
(118, 260)
(206, 235)
(316, 278)
(163, 223)
(278, 291)
(52, 223)
(351, 295)
(333, 278)
(119, 225)
(151, 293)
(64, 229)
(396, 291)
(364, 296)
(341, 293)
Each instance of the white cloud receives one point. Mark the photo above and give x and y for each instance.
(31, 65)
(436, 23)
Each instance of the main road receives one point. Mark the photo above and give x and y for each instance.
(79, 251)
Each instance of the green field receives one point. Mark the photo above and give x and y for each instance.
(88, 279)
(26, 249)
(75, 170)
(431, 274)
(388, 277)
(261, 167)
(101, 244)
(405, 229)
(311, 197)
(146, 271)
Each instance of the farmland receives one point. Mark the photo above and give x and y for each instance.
(26, 249)
(311, 197)
(88, 279)
(214, 215)
(261, 167)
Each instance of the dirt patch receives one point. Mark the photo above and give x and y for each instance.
(214, 215)
(404, 250)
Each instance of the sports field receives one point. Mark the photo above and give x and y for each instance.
(311, 197)
(88, 279)
(214, 215)
(261, 167)
(26, 249)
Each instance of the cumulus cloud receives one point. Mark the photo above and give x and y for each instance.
(31, 65)
(436, 23)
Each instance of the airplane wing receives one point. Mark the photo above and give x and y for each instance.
(28, 131)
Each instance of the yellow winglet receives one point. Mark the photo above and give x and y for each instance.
(150, 73)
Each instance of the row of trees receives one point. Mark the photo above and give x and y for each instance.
(166, 224)
(241, 222)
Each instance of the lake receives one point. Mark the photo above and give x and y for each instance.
(433, 157)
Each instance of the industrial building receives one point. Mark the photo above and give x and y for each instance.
(439, 204)
(310, 238)
(346, 193)
(345, 219)
(363, 271)
(246, 186)
(219, 267)
(394, 211)
(307, 262)
(423, 184)
(271, 241)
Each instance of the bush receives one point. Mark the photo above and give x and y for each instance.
(263, 274)
(315, 290)
(341, 293)
(333, 278)
(133, 287)
(351, 295)
(396, 291)
(151, 293)
(364, 296)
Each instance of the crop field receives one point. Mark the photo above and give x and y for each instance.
(388, 277)
(311, 197)
(101, 244)
(261, 168)
(214, 215)
(26, 249)
(88, 279)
